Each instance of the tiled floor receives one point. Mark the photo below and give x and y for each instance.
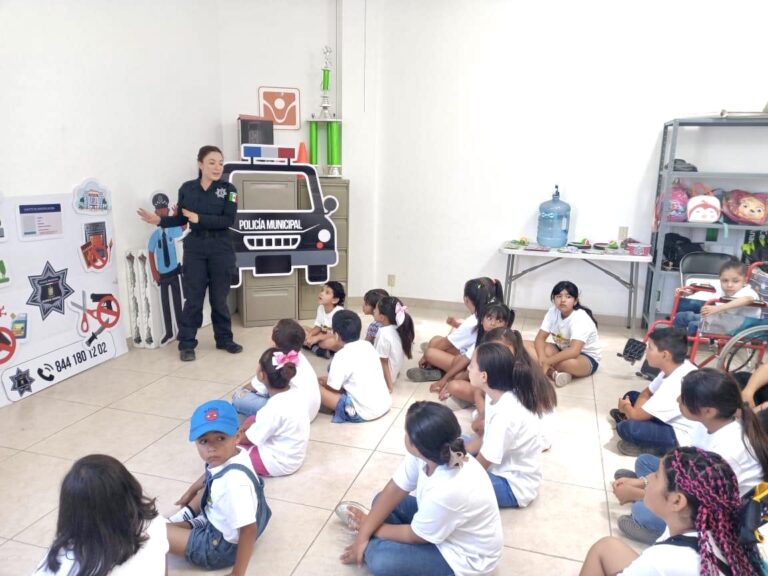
(136, 408)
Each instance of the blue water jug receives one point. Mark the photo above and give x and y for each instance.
(554, 219)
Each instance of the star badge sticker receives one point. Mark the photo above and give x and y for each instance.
(49, 290)
(221, 192)
(22, 382)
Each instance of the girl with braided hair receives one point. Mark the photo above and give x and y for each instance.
(277, 440)
(697, 494)
(510, 446)
(451, 525)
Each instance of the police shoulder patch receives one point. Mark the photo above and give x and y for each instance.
(233, 196)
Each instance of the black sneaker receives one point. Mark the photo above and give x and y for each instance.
(615, 416)
(231, 347)
(166, 338)
(187, 355)
(624, 473)
(631, 529)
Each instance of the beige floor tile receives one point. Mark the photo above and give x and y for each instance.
(33, 419)
(373, 477)
(173, 397)
(42, 532)
(164, 490)
(393, 441)
(532, 528)
(516, 562)
(403, 390)
(100, 386)
(29, 489)
(573, 461)
(17, 558)
(173, 457)
(323, 556)
(325, 477)
(160, 361)
(108, 431)
(578, 388)
(219, 366)
(6, 453)
(359, 435)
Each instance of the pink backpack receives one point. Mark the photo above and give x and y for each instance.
(678, 202)
(742, 207)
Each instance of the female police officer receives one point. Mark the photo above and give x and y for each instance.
(209, 205)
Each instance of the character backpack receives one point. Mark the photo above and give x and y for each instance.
(742, 207)
(678, 202)
(703, 205)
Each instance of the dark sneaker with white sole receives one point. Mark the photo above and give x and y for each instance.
(187, 355)
(624, 473)
(631, 529)
(615, 416)
(424, 374)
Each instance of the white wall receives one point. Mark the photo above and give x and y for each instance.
(485, 106)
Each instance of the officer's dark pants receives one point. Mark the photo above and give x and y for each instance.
(209, 262)
(170, 288)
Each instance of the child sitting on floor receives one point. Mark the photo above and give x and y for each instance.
(733, 284)
(510, 446)
(441, 350)
(395, 337)
(277, 440)
(650, 421)
(287, 336)
(575, 352)
(319, 338)
(355, 390)
(224, 510)
(370, 300)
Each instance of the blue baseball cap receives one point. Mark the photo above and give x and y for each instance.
(214, 416)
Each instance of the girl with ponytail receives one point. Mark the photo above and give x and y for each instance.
(451, 526)
(697, 494)
(515, 401)
(394, 338)
(277, 440)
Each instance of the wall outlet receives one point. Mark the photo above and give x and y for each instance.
(623, 233)
(391, 280)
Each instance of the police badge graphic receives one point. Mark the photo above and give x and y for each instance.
(221, 193)
(49, 290)
(22, 382)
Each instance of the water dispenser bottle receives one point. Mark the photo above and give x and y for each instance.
(554, 219)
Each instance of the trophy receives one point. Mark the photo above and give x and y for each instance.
(331, 123)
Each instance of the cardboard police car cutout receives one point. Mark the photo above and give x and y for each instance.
(273, 243)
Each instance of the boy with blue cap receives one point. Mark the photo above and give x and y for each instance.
(224, 511)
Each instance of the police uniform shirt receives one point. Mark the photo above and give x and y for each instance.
(215, 206)
(161, 244)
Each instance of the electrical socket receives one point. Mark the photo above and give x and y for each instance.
(623, 233)
(391, 280)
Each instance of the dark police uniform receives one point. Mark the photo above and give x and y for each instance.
(209, 258)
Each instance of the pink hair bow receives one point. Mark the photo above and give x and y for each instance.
(279, 359)
(400, 311)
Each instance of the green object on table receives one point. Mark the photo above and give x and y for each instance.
(313, 142)
(326, 78)
(334, 143)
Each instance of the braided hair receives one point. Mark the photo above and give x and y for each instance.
(712, 492)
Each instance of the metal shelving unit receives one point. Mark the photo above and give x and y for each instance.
(666, 178)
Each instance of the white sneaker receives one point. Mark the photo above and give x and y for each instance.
(342, 511)
(183, 515)
(562, 379)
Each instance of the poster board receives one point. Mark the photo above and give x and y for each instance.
(60, 312)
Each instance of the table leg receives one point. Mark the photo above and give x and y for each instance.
(508, 279)
(634, 274)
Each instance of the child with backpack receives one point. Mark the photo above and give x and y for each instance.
(575, 349)
(224, 511)
(394, 338)
(712, 399)
(106, 525)
(650, 421)
(697, 495)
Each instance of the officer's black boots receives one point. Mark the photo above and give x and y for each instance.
(187, 355)
(231, 347)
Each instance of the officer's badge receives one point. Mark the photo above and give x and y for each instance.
(221, 193)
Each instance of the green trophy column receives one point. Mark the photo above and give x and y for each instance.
(334, 143)
(313, 142)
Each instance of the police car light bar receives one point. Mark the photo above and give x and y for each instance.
(267, 153)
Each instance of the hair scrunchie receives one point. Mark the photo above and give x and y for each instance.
(400, 312)
(279, 359)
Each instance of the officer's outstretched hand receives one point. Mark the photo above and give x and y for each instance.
(148, 217)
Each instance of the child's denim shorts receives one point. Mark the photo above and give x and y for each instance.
(207, 547)
(345, 410)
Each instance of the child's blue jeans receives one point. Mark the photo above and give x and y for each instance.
(687, 320)
(644, 465)
(388, 558)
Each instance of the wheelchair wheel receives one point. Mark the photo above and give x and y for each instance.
(740, 352)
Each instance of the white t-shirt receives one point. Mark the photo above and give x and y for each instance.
(471, 350)
(732, 319)
(512, 444)
(465, 335)
(669, 559)
(457, 513)
(150, 559)
(357, 369)
(281, 431)
(728, 443)
(323, 318)
(662, 404)
(305, 381)
(389, 345)
(578, 326)
(232, 503)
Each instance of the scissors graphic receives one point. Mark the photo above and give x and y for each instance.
(106, 312)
